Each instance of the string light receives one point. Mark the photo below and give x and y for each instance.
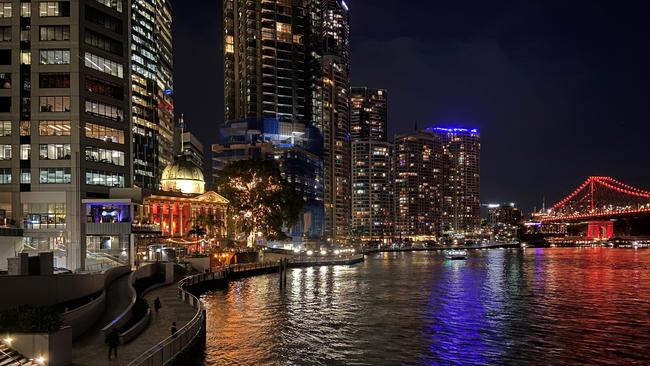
(557, 212)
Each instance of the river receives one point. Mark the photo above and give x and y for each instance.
(559, 306)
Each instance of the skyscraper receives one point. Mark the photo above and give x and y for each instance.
(372, 209)
(335, 119)
(268, 61)
(418, 167)
(151, 89)
(461, 148)
(368, 113)
(65, 117)
(288, 61)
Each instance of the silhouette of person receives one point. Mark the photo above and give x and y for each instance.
(113, 339)
(156, 304)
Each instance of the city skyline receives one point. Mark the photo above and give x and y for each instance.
(485, 74)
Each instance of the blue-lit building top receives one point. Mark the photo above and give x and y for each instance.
(453, 130)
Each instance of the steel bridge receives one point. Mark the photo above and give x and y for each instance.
(597, 201)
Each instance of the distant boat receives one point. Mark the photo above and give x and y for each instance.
(456, 254)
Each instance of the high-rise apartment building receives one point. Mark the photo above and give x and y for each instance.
(269, 67)
(335, 119)
(461, 150)
(288, 61)
(368, 113)
(418, 168)
(65, 119)
(372, 194)
(152, 83)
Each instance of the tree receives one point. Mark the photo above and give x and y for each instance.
(261, 200)
(197, 230)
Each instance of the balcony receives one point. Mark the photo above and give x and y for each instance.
(108, 228)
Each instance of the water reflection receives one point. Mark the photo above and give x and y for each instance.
(551, 306)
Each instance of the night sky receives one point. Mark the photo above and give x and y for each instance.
(559, 90)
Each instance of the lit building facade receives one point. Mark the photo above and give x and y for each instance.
(271, 96)
(65, 118)
(335, 119)
(152, 84)
(368, 113)
(372, 194)
(268, 63)
(505, 213)
(295, 147)
(461, 152)
(417, 169)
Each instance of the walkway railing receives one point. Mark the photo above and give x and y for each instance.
(172, 346)
(333, 260)
(243, 267)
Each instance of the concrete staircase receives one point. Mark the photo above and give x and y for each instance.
(9, 357)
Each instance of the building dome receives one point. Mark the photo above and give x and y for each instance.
(184, 176)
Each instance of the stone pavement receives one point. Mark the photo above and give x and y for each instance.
(172, 310)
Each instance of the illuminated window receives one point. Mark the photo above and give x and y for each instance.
(55, 175)
(25, 10)
(25, 151)
(5, 176)
(25, 128)
(5, 128)
(284, 32)
(102, 178)
(54, 8)
(43, 215)
(54, 152)
(104, 65)
(55, 57)
(25, 57)
(54, 128)
(25, 176)
(5, 152)
(104, 133)
(5, 10)
(230, 44)
(100, 155)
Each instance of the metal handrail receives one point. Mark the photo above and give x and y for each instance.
(170, 347)
(14, 359)
(167, 349)
(342, 258)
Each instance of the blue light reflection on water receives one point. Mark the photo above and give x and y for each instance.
(500, 307)
(463, 308)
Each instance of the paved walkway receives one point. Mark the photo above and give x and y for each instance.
(173, 310)
(118, 297)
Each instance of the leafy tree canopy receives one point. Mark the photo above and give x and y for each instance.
(261, 200)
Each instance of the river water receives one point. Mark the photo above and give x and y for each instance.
(560, 306)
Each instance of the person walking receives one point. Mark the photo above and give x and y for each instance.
(173, 329)
(113, 339)
(156, 304)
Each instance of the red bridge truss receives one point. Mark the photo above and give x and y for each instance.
(600, 198)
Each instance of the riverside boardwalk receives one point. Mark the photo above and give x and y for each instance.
(154, 346)
(95, 350)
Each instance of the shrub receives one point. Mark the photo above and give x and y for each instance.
(30, 319)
